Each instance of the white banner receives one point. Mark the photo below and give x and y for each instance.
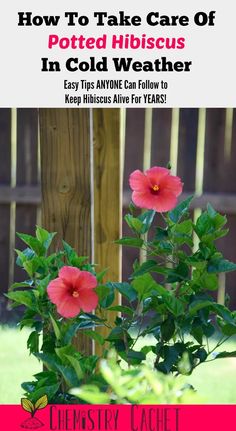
(88, 54)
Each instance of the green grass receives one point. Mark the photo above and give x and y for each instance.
(215, 381)
(15, 364)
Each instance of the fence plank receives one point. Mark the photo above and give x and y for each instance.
(214, 150)
(135, 121)
(107, 196)
(161, 136)
(188, 126)
(5, 178)
(30, 195)
(66, 198)
(27, 173)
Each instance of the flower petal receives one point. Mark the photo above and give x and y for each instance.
(57, 290)
(165, 201)
(69, 274)
(69, 307)
(144, 199)
(138, 181)
(88, 300)
(86, 281)
(173, 184)
(156, 174)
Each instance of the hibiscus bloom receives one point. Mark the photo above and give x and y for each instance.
(155, 189)
(73, 291)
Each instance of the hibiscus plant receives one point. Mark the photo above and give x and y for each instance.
(168, 315)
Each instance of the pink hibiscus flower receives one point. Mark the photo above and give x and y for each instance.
(155, 189)
(73, 291)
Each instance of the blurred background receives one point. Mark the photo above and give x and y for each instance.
(200, 145)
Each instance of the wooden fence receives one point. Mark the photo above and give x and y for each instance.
(199, 143)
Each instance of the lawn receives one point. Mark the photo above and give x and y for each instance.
(215, 381)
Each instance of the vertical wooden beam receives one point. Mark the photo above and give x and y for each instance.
(5, 179)
(66, 194)
(107, 195)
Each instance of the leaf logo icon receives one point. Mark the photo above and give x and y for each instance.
(28, 406)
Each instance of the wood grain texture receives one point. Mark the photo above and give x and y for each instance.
(66, 201)
(107, 196)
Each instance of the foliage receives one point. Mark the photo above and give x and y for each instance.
(139, 385)
(168, 296)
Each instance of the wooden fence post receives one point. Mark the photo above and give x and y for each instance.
(107, 196)
(67, 208)
(66, 192)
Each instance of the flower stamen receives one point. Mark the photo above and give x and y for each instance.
(75, 294)
(155, 188)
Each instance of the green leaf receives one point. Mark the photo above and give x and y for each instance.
(147, 219)
(134, 223)
(130, 241)
(33, 243)
(220, 265)
(63, 351)
(23, 284)
(101, 275)
(116, 334)
(161, 234)
(197, 305)
(174, 305)
(49, 390)
(209, 281)
(148, 266)
(126, 290)
(50, 360)
(68, 249)
(91, 394)
(72, 256)
(95, 336)
(209, 225)
(178, 212)
(43, 284)
(106, 295)
(201, 354)
(148, 349)
(49, 376)
(69, 375)
(182, 233)
(204, 225)
(180, 273)
(122, 309)
(31, 266)
(223, 312)
(44, 237)
(163, 247)
(143, 285)
(228, 329)
(76, 365)
(197, 333)
(226, 355)
(135, 358)
(24, 256)
(26, 298)
(55, 327)
(171, 355)
(33, 342)
(218, 219)
(168, 329)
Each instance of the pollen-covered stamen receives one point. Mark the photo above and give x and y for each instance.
(155, 188)
(75, 294)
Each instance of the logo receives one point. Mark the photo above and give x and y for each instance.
(28, 406)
